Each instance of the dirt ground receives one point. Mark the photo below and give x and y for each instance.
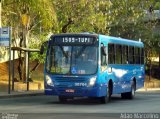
(36, 76)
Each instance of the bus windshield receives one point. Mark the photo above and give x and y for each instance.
(72, 60)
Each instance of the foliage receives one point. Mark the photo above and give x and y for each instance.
(121, 18)
(36, 42)
(81, 16)
(13, 11)
(28, 17)
(31, 20)
(157, 5)
(128, 22)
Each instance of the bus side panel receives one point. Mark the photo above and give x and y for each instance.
(140, 77)
(122, 76)
(102, 82)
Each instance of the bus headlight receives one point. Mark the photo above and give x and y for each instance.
(92, 81)
(49, 81)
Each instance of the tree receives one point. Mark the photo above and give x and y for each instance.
(27, 17)
(81, 16)
(32, 20)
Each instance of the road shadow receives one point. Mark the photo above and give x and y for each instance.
(88, 101)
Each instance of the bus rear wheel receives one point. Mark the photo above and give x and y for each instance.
(131, 94)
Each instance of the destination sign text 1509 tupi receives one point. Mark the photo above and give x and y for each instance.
(74, 40)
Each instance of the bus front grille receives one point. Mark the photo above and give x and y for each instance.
(70, 79)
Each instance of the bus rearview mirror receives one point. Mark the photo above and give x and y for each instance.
(42, 49)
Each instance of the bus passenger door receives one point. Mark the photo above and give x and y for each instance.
(103, 69)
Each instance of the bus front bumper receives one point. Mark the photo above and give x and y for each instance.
(77, 92)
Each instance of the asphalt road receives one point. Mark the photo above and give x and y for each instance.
(40, 107)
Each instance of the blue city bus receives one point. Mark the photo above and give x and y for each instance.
(93, 65)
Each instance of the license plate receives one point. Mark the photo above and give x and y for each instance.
(69, 90)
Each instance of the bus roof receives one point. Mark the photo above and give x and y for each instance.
(76, 34)
(119, 40)
(105, 38)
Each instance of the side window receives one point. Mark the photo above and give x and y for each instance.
(118, 54)
(137, 55)
(142, 56)
(131, 55)
(125, 54)
(111, 53)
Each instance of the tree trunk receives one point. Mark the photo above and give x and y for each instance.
(150, 66)
(25, 68)
(64, 28)
(20, 65)
(35, 67)
(150, 70)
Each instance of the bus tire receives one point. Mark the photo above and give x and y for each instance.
(131, 94)
(107, 98)
(62, 99)
(123, 95)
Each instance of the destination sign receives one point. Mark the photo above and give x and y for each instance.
(74, 40)
(78, 40)
(4, 36)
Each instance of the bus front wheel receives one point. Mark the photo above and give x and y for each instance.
(107, 98)
(62, 99)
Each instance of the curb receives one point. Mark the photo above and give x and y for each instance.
(21, 94)
(40, 93)
(148, 89)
